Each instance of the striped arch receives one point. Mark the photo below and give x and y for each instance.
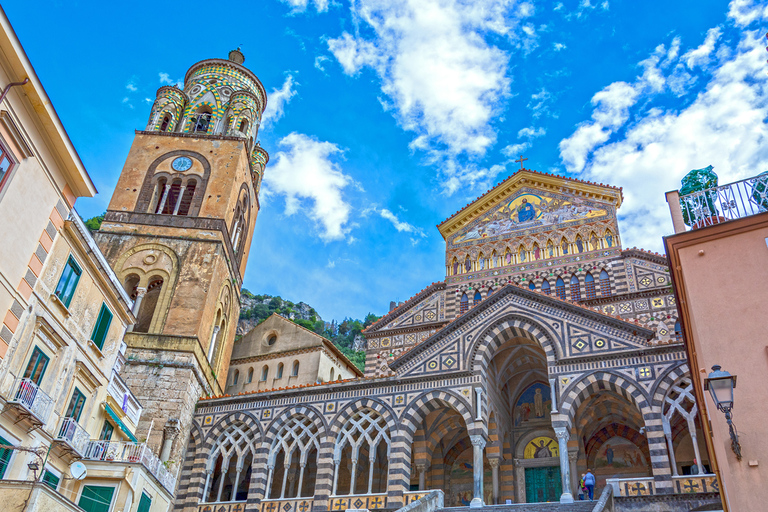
(593, 384)
(246, 419)
(192, 473)
(614, 430)
(413, 415)
(349, 410)
(297, 410)
(485, 345)
(667, 380)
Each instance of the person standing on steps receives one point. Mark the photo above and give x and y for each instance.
(582, 488)
(589, 481)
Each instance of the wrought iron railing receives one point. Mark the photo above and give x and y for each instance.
(33, 399)
(726, 202)
(131, 452)
(73, 434)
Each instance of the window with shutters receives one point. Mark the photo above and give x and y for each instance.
(545, 287)
(102, 326)
(145, 503)
(51, 480)
(96, 498)
(605, 284)
(36, 366)
(106, 432)
(76, 405)
(463, 304)
(5, 456)
(65, 289)
(477, 299)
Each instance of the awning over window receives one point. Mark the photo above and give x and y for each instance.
(122, 426)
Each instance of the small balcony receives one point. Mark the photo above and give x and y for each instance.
(719, 204)
(71, 439)
(134, 453)
(30, 403)
(124, 398)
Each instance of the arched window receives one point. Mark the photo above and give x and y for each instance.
(545, 287)
(678, 331)
(215, 337)
(477, 298)
(250, 376)
(455, 266)
(364, 441)
(490, 292)
(244, 125)
(560, 288)
(575, 288)
(531, 285)
(185, 201)
(589, 286)
(330, 379)
(293, 454)
(165, 123)
(148, 304)
(200, 122)
(463, 304)
(264, 373)
(237, 376)
(295, 372)
(228, 472)
(605, 284)
(467, 264)
(279, 374)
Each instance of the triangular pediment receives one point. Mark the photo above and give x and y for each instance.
(426, 307)
(528, 200)
(570, 332)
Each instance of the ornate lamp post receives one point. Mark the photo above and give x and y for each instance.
(720, 385)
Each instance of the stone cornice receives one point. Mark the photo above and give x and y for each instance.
(405, 330)
(645, 294)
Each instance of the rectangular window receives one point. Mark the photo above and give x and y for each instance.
(5, 456)
(102, 326)
(144, 503)
(6, 164)
(65, 290)
(96, 498)
(76, 405)
(51, 480)
(36, 366)
(106, 432)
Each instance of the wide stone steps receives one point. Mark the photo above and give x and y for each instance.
(577, 506)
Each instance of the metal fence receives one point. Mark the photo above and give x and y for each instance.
(74, 435)
(727, 202)
(131, 452)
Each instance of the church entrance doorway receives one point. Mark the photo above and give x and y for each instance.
(543, 484)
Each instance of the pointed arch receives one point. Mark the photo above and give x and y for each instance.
(589, 286)
(463, 304)
(605, 284)
(560, 288)
(545, 287)
(575, 286)
(477, 298)
(597, 382)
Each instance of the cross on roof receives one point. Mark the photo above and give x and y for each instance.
(520, 161)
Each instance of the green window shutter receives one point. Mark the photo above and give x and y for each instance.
(96, 498)
(65, 289)
(144, 503)
(36, 366)
(5, 456)
(76, 405)
(51, 480)
(102, 326)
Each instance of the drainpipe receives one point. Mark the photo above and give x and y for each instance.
(8, 88)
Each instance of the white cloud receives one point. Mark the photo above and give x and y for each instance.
(531, 133)
(127, 102)
(441, 77)
(744, 12)
(319, 61)
(306, 174)
(402, 227)
(131, 87)
(559, 46)
(166, 79)
(723, 125)
(539, 103)
(298, 6)
(514, 150)
(701, 54)
(276, 102)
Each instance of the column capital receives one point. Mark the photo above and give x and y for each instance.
(562, 433)
(573, 455)
(494, 462)
(140, 291)
(478, 441)
(421, 467)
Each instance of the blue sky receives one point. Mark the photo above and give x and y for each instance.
(385, 117)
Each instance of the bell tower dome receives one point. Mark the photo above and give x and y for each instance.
(177, 232)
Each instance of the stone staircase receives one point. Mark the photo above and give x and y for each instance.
(577, 506)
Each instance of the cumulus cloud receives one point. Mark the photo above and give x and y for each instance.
(277, 100)
(700, 55)
(298, 6)
(166, 79)
(312, 183)
(441, 77)
(131, 87)
(723, 124)
(559, 46)
(744, 12)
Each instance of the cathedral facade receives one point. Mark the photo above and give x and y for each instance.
(547, 349)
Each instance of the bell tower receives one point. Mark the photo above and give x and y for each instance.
(177, 232)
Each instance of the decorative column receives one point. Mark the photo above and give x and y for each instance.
(270, 473)
(140, 292)
(164, 197)
(573, 456)
(336, 466)
(213, 343)
(352, 476)
(692, 432)
(495, 463)
(519, 482)
(421, 467)
(553, 394)
(178, 200)
(170, 432)
(565, 474)
(206, 488)
(667, 429)
(478, 445)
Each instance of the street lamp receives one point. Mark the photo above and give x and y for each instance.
(720, 385)
(33, 466)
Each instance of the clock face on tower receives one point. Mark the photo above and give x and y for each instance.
(182, 163)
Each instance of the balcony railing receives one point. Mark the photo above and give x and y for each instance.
(74, 435)
(123, 395)
(32, 400)
(131, 452)
(727, 202)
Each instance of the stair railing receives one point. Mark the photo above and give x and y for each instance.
(605, 503)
